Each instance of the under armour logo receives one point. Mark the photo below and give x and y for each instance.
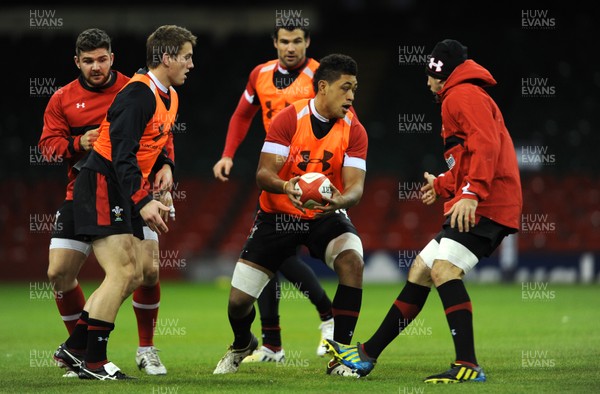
(271, 110)
(438, 65)
(453, 332)
(100, 339)
(80, 105)
(306, 160)
(161, 132)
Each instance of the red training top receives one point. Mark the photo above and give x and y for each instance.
(478, 148)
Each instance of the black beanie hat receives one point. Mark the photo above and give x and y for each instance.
(445, 57)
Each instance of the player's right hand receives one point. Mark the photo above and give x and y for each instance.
(223, 168)
(87, 140)
(167, 199)
(293, 194)
(151, 213)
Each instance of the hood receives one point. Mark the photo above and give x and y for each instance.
(468, 72)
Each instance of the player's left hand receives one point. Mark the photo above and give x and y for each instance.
(337, 201)
(462, 214)
(428, 190)
(163, 180)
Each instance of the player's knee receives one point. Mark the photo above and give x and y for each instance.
(55, 275)
(61, 276)
(150, 260)
(133, 280)
(240, 303)
(420, 273)
(237, 307)
(150, 277)
(349, 266)
(437, 273)
(247, 282)
(350, 260)
(444, 271)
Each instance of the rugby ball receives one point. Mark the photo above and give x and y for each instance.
(313, 186)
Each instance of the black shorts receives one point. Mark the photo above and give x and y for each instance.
(276, 236)
(482, 239)
(65, 223)
(100, 208)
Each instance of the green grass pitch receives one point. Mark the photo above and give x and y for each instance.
(530, 338)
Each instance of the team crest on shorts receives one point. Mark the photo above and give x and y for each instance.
(252, 231)
(117, 211)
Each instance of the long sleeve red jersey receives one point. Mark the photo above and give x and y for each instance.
(71, 112)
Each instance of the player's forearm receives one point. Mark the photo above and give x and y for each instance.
(481, 173)
(124, 159)
(354, 181)
(162, 160)
(352, 195)
(269, 181)
(236, 133)
(443, 185)
(58, 146)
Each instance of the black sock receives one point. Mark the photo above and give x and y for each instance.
(98, 333)
(303, 277)
(268, 306)
(407, 306)
(324, 308)
(459, 314)
(271, 336)
(77, 341)
(241, 329)
(346, 308)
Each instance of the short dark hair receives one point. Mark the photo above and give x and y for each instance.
(291, 27)
(91, 39)
(332, 67)
(166, 39)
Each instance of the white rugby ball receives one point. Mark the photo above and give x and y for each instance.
(313, 186)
